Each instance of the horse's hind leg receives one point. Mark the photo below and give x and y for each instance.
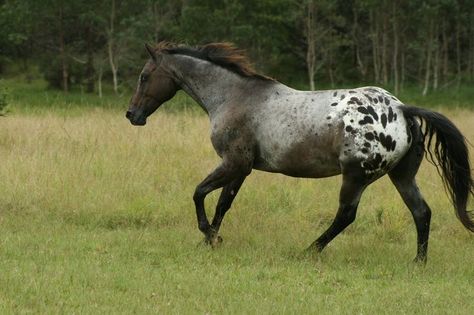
(352, 187)
(403, 177)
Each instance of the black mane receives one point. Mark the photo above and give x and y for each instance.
(225, 55)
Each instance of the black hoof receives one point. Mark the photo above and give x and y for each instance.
(420, 260)
(314, 248)
(214, 241)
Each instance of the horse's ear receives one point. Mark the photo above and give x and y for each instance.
(151, 52)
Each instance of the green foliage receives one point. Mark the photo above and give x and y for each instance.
(3, 99)
(394, 44)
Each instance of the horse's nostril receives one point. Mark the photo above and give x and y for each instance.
(128, 114)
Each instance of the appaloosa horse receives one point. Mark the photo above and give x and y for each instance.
(259, 123)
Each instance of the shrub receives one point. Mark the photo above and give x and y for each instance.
(3, 100)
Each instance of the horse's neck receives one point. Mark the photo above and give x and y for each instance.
(209, 85)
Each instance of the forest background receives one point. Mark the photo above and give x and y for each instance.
(427, 45)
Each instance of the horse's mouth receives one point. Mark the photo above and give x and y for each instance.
(140, 122)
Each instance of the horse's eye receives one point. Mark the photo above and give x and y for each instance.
(143, 78)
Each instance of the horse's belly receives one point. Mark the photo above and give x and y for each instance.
(308, 156)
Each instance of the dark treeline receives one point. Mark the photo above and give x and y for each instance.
(313, 43)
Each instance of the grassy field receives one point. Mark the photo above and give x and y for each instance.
(96, 216)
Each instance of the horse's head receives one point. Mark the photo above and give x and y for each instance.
(155, 86)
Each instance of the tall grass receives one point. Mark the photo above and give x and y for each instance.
(96, 216)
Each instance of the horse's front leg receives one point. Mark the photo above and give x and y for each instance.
(223, 175)
(228, 194)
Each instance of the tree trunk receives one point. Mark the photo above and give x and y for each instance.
(402, 70)
(62, 52)
(458, 54)
(428, 58)
(355, 32)
(471, 50)
(384, 52)
(155, 7)
(375, 53)
(396, 86)
(445, 52)
(436, 62)
(311, 42)
(99, 80)
(89, 63)
(110, 48)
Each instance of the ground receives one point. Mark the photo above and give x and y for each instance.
(96, 216)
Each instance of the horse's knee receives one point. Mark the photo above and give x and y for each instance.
(203, 227)
(350, 215)
(422, 213)
(199, 194)
(347, 214)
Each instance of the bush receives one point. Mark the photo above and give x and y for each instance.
(3, 100)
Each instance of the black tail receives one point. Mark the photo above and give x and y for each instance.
(450, 151)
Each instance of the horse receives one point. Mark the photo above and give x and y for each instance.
(259, 123)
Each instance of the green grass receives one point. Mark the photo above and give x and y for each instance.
(96, 216)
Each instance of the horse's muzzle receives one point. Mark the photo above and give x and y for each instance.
(136, 120)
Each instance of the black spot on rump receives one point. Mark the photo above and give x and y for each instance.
(334, 104)
(356, 100)
(366, 120)
(376, 101)
(377, 159)
(372, 112)
(349, 128)
(373, 164)
(384, 120)
(342, 96)
(362, 110)
(387, 142)
(334, 94)
(387, 101)
(364, 150)
(366, 144)
(380, 98)
(368, 97)
(390, 114)
(352, 92)
(369, 136)
(329, 117)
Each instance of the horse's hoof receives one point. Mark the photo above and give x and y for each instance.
(420, 261)
(215, 241)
